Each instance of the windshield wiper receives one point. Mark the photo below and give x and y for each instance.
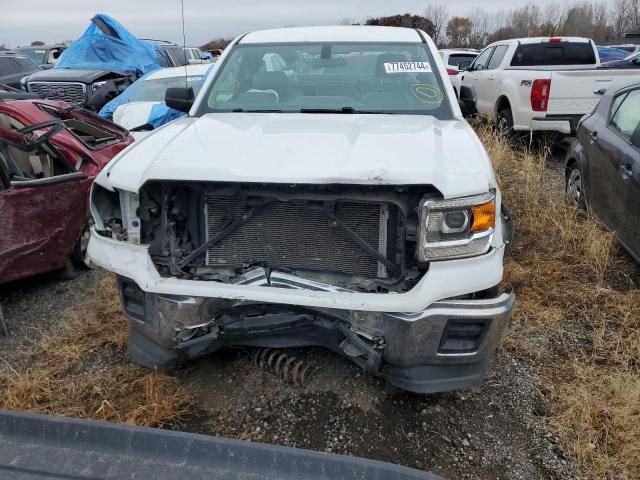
(329, 110)
(347, 110)
(265, 110)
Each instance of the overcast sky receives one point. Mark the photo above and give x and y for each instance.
(22, 21)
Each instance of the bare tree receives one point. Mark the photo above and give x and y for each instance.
(406, 20)
(552, 19)
(503, 33)
(626, 15)
(459, 31)
(525, 20)
(480, 25)
(438, 15)
(347, 21)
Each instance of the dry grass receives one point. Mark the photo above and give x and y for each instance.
(577, 315)
(82, 371)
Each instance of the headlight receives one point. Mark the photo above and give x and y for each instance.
(116, 213)
(95, 86)
(457, 228)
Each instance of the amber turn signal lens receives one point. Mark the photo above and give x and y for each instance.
(484, 216)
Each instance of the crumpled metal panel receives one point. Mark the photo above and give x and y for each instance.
(40, 221)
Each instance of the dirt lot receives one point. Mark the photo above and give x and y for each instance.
(545, 411)
(488, 432)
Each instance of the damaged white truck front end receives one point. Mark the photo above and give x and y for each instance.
(341, 202)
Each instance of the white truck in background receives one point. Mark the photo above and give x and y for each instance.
(536, 84)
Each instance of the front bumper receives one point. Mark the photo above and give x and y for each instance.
(566, 124)
(442, 343)
(446, 279)
(443, 347)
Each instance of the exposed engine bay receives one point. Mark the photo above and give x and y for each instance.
(360, 238)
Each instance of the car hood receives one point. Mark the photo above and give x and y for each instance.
(70, 75)
(133, 114)
(309, 148)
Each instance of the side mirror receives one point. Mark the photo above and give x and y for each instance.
(637, 60)
(179, 98)
(464, 66)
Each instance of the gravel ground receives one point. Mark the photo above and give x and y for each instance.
(33, 305)
(491, 432)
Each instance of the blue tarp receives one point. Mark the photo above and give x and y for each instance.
(160, 114)
(95, 50)
(124, 97)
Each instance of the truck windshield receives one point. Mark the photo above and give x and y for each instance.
(383, 78)
(37, 55)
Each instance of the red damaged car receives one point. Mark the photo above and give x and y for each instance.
(50, 153)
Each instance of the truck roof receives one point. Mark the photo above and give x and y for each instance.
(527, 40)
(333, 34)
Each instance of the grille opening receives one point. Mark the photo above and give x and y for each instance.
(179, 218)
(462, 336)
(290, 235)
(74, 93)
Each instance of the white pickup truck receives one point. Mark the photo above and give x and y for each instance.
(343, 202)
(537, 84)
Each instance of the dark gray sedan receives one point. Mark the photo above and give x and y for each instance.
(603, 165)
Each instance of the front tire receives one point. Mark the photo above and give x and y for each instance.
(574, 187)
(80, 256)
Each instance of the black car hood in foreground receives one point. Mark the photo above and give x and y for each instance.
(43, 447)
(70, 75)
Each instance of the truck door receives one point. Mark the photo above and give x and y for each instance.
(474, 79)
(487, 85)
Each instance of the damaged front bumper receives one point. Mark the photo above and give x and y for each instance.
(445, 347)
(442, 344)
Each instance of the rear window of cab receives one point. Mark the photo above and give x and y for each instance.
(554, 53)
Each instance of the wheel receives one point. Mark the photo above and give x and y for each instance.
(574, 187)
(504, 123)
(80, 257)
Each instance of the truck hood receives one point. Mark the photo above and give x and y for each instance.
(70, 75)
(309, 148)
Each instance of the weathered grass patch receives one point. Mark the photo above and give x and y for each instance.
(81, 371)
(577, 315)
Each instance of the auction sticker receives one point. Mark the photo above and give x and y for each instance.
(407, 67)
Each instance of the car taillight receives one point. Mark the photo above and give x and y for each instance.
(452, 71)
(540, 95)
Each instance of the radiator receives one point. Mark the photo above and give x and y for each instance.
(287, 234)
